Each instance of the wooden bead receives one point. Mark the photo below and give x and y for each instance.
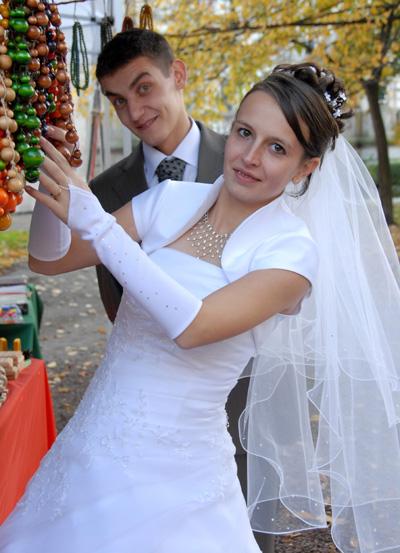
(33, 32)
(74, 162)
(3, 49)
(61, 76)
(15, 184)
(43, 50)
(13, 125)
(41, 7)
(33, 52)
(11, 173)
(32, 20)
(44, 81)
(34, 65)
(7, 154)
(66, 109)
(62, 48)
(45, 70)
(8, 82)
(4, 122)
(32, 4)
(55, 19)
(72, 136)
(5, 61)
(10, 95)
(40, 108)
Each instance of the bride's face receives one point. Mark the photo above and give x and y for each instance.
(262, 153)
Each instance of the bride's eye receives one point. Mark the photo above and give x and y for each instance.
(243, 132)
(278, 149)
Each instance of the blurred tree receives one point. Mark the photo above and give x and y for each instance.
(229, 44)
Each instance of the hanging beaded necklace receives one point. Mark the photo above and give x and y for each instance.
(205, 241)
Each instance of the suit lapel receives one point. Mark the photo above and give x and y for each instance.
(211, 155)
(131, 180)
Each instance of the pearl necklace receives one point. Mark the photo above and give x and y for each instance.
(205, 241)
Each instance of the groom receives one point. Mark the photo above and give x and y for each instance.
(143, 80)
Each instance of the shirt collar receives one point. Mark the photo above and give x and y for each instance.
(187, 150)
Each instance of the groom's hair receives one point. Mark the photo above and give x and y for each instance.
(126, 46)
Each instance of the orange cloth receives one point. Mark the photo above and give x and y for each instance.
(27, 431)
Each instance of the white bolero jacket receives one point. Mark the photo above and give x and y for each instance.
(270, 238)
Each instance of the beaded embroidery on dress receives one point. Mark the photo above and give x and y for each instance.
(146, 463)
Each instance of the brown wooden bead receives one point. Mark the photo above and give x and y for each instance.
(13, 125)
(3, 49)
(62, 47)
(72, 136)
(32, 4)
(61, 76)
(5, 142)
(45, 70)
(60, 35)
(34, 65)
(42, 38)
(10, 95)
(5, 61)
(33, 33)
(65, 108)
(60, 65)
(8, 82)
(33, 52)
(15, 184)
(40, 108)
(7, 154)
(43, 50)
(53, 8)
(42, 19)
(35, 97)
(44, 81)
(41, 7)
(32, 20)
(55, 19)
(77, 153)
(74, 162)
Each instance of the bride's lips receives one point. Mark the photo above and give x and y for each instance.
(245, 177)
(147, 124)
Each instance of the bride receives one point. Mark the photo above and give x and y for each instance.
(214, 274)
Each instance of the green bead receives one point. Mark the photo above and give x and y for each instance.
(17, 13)
(3, 165)
(32, 122)
(31, 111)
(21, 147)
(19, 107)
(20, 118)
(26, 91)
(22, 57)
(32, 158)
(24, 79)
(19, 25)
(32, 175)
(34, 140)
(52, 107)
(21, 137)
(50, 97)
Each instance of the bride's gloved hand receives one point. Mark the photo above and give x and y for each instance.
(49, 238)
(71, 200)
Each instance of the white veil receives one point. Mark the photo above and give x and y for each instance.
(320, 425)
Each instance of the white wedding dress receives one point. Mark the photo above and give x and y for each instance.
(146, 464)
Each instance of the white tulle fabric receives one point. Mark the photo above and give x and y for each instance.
(320, 425)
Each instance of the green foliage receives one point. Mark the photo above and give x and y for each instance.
(395, 172)
(13, 247)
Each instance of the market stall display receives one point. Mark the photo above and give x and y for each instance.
(34, 92)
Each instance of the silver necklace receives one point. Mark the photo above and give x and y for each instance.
(205, 241)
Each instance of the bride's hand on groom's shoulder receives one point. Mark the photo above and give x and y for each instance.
(56, 175)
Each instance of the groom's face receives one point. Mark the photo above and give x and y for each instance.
(148, 100)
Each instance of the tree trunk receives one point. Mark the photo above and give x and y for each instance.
(371, 88)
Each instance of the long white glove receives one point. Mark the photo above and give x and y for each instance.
(49, 238)
(166, 300)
